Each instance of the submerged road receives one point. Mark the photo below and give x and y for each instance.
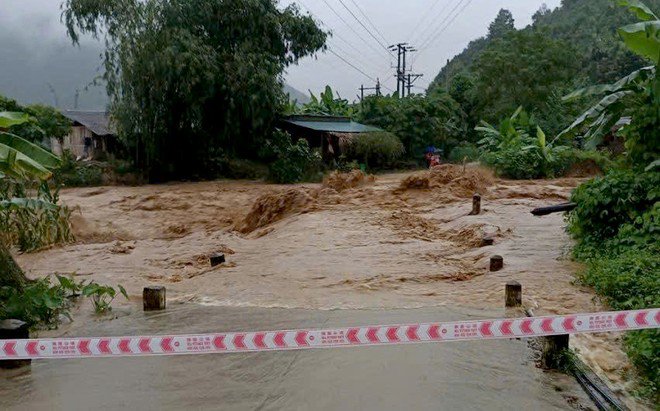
(453, 376)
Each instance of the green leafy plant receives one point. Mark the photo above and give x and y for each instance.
(518, 148)
(73, 173)
(186, 77)
(464, 152)
(636, 95)
(375, 149)
(102, 296)
(605, 204)
(327, 104)
(419, 121)
(291, 162)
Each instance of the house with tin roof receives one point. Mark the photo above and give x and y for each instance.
(92, 135)
(329, 133)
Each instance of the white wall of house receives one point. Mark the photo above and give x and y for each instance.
(75, 140)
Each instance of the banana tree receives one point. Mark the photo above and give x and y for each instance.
(511, 130)
(20, 160)
(636, 95)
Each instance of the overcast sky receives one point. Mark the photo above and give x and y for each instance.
(38, 47)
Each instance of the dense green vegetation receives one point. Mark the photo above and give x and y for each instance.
(617, 216)
(419, 121)
(572, 45)
(32, 221)
(42, 121)
(190, 80)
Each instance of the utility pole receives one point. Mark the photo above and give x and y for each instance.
(363, 88)
(411, 80)
(402, 50)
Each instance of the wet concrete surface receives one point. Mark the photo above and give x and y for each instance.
(452, 376)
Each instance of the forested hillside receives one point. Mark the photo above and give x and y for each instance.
(573, 45)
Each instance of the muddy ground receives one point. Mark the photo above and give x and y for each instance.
(394, 241)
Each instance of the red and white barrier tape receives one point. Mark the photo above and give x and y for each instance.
(336, 337)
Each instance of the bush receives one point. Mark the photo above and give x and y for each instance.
(516, 163)
(616, 224)
(630, 280)
(42, 303)
(73, 173)
(31, 216)
(605, 204)
(418, 121)
(464, 152)
(293, 162)
(375, 150)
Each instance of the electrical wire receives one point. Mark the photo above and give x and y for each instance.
(351, 64)
(452, 20)
(423, 20)
(433, 33)
(442, 30)
(371, 23)
(363, 63)
(365, 27)
(352, 29)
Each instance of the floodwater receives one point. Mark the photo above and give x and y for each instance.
(471, 375)
(399, 241)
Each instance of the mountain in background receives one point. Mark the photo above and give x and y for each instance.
(588, 25)
(296, 95)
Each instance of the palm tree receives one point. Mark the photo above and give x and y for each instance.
(22, 161)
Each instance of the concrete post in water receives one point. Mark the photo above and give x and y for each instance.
(512, 294)
(217, 259)
(476, 205)
(496, 263)
(14, 330)
(487, 240)
(153, 298)
(553, 348)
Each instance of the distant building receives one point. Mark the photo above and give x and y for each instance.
(329, 133)
(92, 135)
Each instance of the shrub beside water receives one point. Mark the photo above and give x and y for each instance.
(464, 152)
(616, 225)
(292, 162)
(377, 150)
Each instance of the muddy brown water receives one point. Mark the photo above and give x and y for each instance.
(472, 375)
(377, 245)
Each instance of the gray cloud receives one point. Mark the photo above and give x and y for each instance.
(36, 51)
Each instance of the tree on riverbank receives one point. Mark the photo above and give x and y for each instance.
(21, 161)
(193, 80)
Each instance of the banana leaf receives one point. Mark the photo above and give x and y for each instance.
(36, 153)
(626, 83)
(27, 203)
(597, 110)
(642, 11)
(11, 118)
(15, 164)
(643, 38)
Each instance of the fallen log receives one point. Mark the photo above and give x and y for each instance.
(554, 209)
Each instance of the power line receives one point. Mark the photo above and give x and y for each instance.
(365, 63)
(430, 27)
(423, 20)
(363, 26)
(352, 65)
(371, 23)
(439, 28)
(450, 22)
(351, 27)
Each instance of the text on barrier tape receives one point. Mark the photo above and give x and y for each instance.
(233, 342)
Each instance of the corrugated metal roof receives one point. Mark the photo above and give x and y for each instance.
(97, 121)
(330, 124)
